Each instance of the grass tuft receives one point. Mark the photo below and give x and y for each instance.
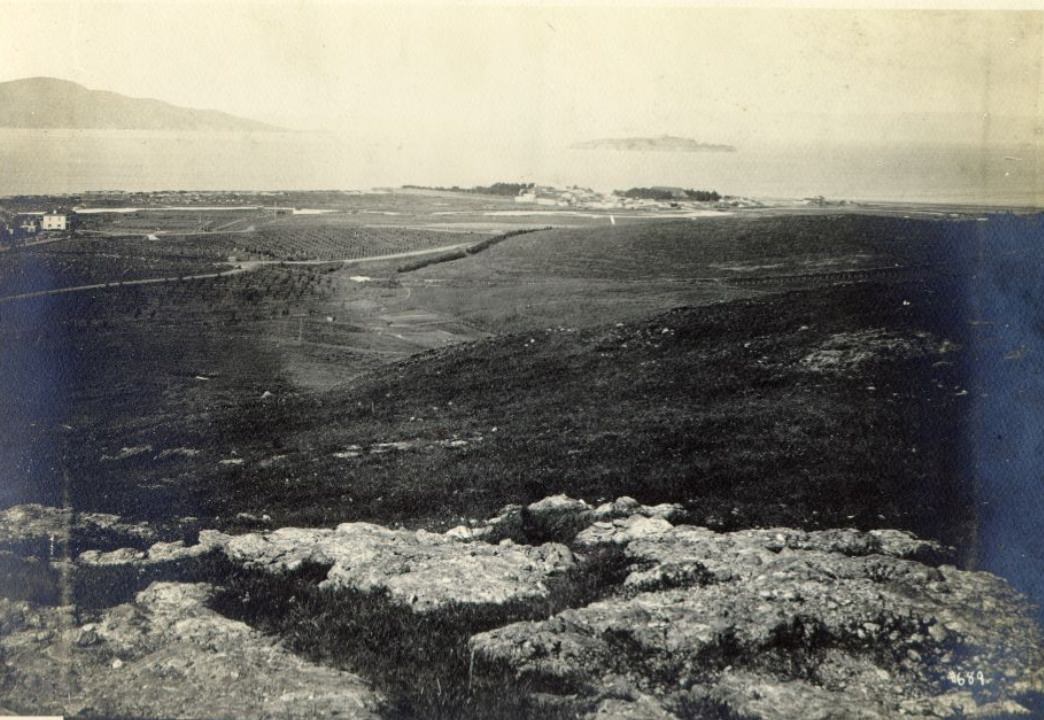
(420, 662)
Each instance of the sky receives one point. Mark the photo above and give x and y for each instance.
(553, 75)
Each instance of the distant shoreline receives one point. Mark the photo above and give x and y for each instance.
(265, 198)
(665, 143)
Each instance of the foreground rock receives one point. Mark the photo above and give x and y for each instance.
(424, 570)
(780, 624)
(43, 530)
(560, 518)
(164, 655)
(159, 553)
(769, 624)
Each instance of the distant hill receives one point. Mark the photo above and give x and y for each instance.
(43, 102)
(662, 143)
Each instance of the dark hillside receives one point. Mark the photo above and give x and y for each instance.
(734, 409)
(838, 406)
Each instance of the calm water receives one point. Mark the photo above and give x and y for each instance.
(57, 161)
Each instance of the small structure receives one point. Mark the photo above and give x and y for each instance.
(54, 221)
(29, 226)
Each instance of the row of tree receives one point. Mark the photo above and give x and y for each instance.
(497, 188)
(669, 193)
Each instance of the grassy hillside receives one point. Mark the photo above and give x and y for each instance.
(835, 403)
(712, 407)
(719, 407)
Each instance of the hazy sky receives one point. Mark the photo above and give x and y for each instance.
(555, 75)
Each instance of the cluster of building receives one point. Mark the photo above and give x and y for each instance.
(26, 225)
(557, 197)
(579, 197)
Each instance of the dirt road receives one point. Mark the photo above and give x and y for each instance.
(121, 283)
(33, 243)
(240, 267)
(253, 264)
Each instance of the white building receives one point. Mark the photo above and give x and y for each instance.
(54, 221)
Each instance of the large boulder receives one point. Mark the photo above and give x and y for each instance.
(166, 654)
(424, 570)
(559, 518)
(780, 624)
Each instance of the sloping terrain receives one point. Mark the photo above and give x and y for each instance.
(841, 401)
(813, 408)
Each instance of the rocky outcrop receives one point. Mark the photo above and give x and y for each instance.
(157, 554)
(780, 624)
(424, 570)
(643, 618)
(488, 563)
(46, 529)
(559, 518)
(164, 655)
(664, 555)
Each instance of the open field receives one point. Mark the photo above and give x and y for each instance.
(169, 222)
(714, 249)
(82, 261)
(337, 237)
(583, 276)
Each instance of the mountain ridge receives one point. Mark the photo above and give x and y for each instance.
(53, 103)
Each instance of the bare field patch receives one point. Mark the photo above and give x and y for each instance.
(849, 352)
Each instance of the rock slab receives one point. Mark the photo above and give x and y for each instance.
(424, 570)
(166, 654)
(779, 624)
